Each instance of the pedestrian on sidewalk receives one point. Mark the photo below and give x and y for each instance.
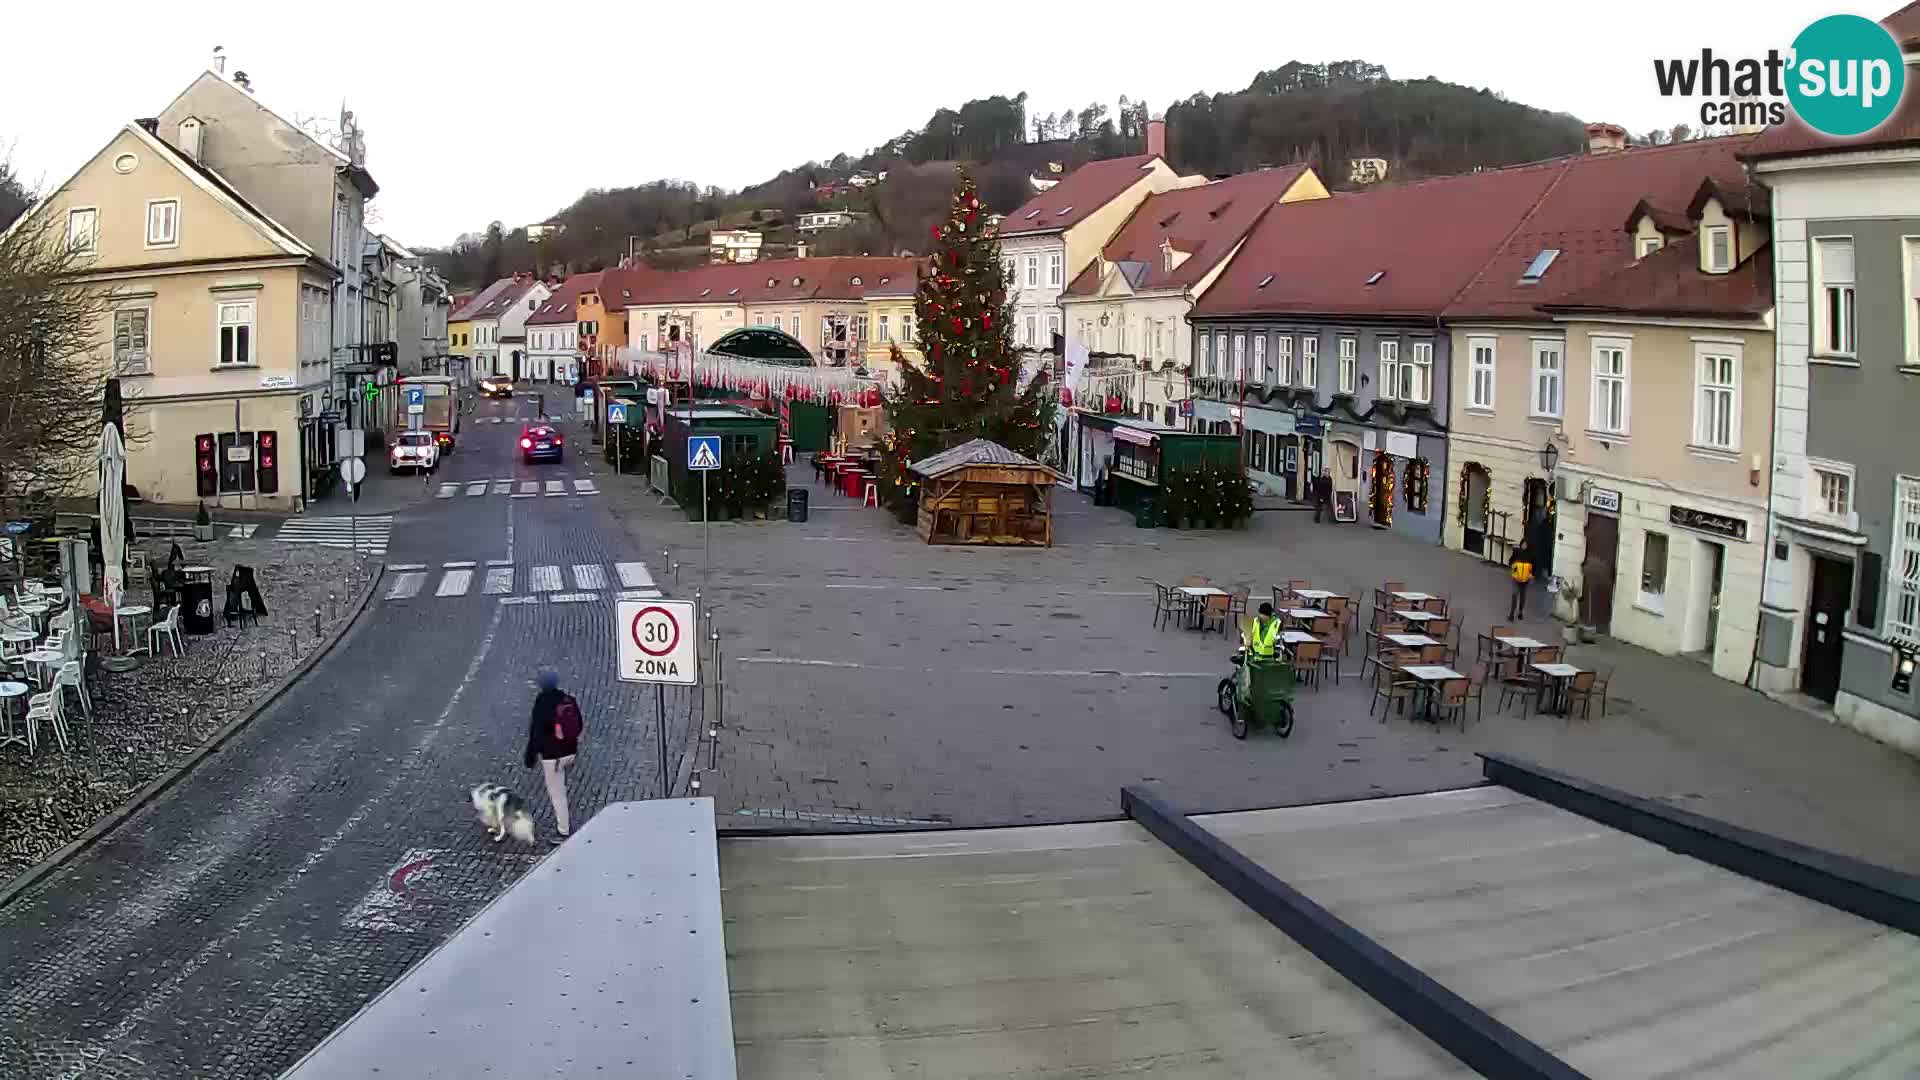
(1520, 569)
(553, 737)
(1322, 496)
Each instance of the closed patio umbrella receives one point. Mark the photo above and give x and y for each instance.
(113, 522)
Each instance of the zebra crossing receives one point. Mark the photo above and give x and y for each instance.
(362, 532)
(516, 489)
(553, 583)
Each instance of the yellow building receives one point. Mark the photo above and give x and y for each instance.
(216, 322)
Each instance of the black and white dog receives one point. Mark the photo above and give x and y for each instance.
(503, 812)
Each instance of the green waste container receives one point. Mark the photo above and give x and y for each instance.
(1143, 514)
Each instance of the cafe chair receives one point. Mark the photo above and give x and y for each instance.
(72, 678)
(166, 630)
(1166, 605)
(1392, 688)
(1600, 682)
(1454, 695)
(1477, 692)
(1237, 603)
(46, 707)
(1215, 610)
(1332, 647)
(1579, 692)
(1306, 663)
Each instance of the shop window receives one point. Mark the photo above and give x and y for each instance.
(1653, 572)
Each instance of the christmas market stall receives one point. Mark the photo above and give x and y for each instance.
(983, 493)
(1159, 474)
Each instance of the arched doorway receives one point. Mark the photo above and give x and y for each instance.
(1540, 513)
(1476, 483)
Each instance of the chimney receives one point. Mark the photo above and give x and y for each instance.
(1157, 137)
(219, 60)
(1606, 138)
(240, 80)
(191, 132)
(800, 250)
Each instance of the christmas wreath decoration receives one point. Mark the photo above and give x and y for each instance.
(1419, 475)
(1381, 488)
(1460, 504)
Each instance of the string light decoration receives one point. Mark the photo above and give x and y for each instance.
(968, 385)
(1380, 491)
(1419, 476)
(1460, 504)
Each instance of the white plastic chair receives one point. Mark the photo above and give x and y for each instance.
(168, 630)
(45, 707)
(70, 675)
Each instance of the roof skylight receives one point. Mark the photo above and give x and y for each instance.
(1375, 278)
(1264, 282)
(1537, 269)
(1031, 214)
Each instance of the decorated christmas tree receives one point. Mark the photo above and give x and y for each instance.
(968, 385)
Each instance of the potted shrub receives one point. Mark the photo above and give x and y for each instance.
(202, 524)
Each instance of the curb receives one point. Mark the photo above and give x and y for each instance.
(25, 880)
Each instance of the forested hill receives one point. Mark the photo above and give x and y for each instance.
(1322, 114)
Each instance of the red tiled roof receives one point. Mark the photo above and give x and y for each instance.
(1665, 219)
(1796, 139)
(1079, 194)
(823, 278)
(1580, 217)
(1670, 282)
(1426, 239)
(560, 307)
(483, 297)
(1205, 222)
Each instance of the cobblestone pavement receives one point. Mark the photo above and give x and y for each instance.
(225, 929)
(871, 679)
(147, 720)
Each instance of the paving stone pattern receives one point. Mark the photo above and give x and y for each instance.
(148, 720)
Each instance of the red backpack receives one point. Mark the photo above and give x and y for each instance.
(567, 724)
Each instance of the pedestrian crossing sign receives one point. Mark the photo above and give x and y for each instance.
(616, 413)
(703, 452)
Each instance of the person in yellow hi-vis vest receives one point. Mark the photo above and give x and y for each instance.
(1520, 568)
(1261, 637)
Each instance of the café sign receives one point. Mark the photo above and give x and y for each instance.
(1723, 525)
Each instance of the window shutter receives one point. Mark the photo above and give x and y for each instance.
(1836, 262)
(1866, 608)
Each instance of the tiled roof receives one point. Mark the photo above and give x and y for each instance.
(1079, 194)
(1670, 282)
(560, 308)
(972, 452)
(497, 305)
(849, 277)
(474, 303)
(146, 130)
(1581, 215)
(1796, 139)
(1418, 244)
(1205, 222)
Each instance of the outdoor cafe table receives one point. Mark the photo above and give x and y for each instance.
(1417, 616)
(1415, 597)
(1297, 637)
(1318, 595)
(1524, 646)
(1306, 614)
(1430, 676)
(1558, 677)
(13, 700)
(1410, 641)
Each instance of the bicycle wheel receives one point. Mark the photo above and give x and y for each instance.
(1283, 720)
(1226, 696)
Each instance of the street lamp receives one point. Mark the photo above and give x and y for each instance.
(1549, 456)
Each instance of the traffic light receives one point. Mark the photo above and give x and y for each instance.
(268, 475)
(206, 481)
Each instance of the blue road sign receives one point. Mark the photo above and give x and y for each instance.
(416, 395)
(616, 413)
(703, 452)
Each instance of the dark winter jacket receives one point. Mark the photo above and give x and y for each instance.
(541, 742)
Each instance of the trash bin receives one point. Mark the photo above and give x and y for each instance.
(196, 599)
(1143, 514)
(796, 504)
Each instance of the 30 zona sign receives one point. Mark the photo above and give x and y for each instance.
(659, 641)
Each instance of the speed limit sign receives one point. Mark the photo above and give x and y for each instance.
(659, 641)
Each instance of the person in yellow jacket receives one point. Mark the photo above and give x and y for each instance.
(1520, 569)
(1261, 637)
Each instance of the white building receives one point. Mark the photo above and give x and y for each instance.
(824, 219)
(553, 331)
(733, 245)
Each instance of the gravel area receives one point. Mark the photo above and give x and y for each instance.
(148, 720)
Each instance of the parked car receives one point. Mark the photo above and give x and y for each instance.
(497, 386)
(541, 443)
(417, 450)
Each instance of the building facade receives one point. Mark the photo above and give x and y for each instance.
(216, 323)
(733, 245)
(553, 331)
(1841, 613)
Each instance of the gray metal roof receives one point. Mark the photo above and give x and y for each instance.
(973, 452)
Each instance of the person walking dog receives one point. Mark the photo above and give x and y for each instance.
(553, 738)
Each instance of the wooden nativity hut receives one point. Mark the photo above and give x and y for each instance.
(983, 493)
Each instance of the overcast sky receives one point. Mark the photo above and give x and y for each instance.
(475, 111)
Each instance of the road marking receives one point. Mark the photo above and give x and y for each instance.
(589, 576)
(555, 487)
(476, 487)
(519, 599)
(867, 587)
(406, 566)
(447, 491)
(242, 532)
(406, 586)
(499, 581)
(502, 487)
(634, 575)
(547, 579)
(585, 487)
(1047, 673)
(573, 597)
(457, 565)
(455, 583)
(529, 487)
(837, 819)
